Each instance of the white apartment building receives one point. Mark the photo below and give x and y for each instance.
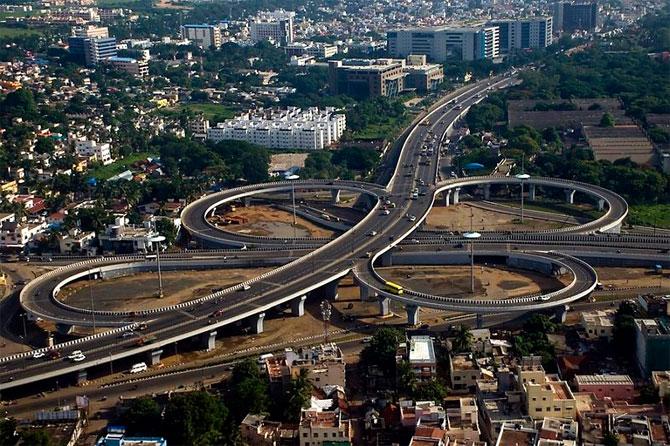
(91, 149)
(292, 128)
(90, 31)
(524, 33)
(276, 26)
(205, 36)
(441, 43)
(319, 427)
(17, 235)
(139, 68)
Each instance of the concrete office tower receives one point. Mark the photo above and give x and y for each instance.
(442, 43)
(205, 36)
(570, 16)
(90, 31)
(523, 34)
(276, 26)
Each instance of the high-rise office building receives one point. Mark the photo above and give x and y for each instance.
(276, 26)
(523, 33)
(91, 44)
(205, 36)
(91, 31)
(569, 16)
(442, 43)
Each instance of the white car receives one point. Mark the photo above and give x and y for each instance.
(38, 355)
(372, 233)
(138, 368)
(386, 212)
(128, 334)
(78, 358)
(411, 217)
(75, 354)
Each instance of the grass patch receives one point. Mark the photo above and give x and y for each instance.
(118, 166)
(212, 112)
(7, 32)
(657, 215)
(388, 129)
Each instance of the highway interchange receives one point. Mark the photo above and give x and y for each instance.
(305, 265)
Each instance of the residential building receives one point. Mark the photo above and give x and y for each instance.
(549, 396)
(276, 26)
(653, 344)
(462, 419)
(598, 323)
(76, 242)
(205, 36)
(324, 364)
(442, 43)
(463, 372)
(616, 387)
(92, 149)
(318, 428)
(139, 68)
(517, 435)
(422, 413)
(291, 128)
(574, 16)
(122, 238)
(524, 33)
(198, 126)
(661, 380)
(15, 235)
(558, 432)
(318, 50)
(421, 357)
(255, 430)
(654, 305)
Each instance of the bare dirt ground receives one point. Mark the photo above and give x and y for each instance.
(632, 277)
(493, 282)
(457, 218)
(270, 222)
(139, 291)
(165, 4)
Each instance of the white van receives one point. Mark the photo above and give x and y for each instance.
(262, 358)
(139, 367)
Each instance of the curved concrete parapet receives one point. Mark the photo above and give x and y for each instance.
(194, 216)
(617, 208)
(583, 283)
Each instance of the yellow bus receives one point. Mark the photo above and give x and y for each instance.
(393, 288)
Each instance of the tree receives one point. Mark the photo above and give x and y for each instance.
(37, 437)
(539, 323)
(610, 439)
(8, 436)
(166, 228)
(432, 390)
(143, 416)
(462, 341)
(406, 379)
(249, 391)
(196, 418)
(607, 120)
(381, 351)
(297, 396)
(623, 332)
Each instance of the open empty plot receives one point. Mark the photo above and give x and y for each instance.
(494, 282)
(139, 291)
(457, 218)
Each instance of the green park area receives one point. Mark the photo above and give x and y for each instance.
(9, 32)
(654, 215)
(118, 166)
(212, 112)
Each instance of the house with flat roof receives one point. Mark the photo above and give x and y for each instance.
(617, 387)
(421, 357)
(463, 372)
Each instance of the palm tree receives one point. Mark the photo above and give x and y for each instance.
(463, 339)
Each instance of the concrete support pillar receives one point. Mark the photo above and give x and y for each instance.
(561, 314)
(412, 314)
(257, 323)
(155, 356)
(570, 196)
(298, 306)
(479, 320)
(246, 201)
(384, 306)
(601, 205)
(329, 290)
(81, 376)
(447, 195)
(386, 259)
(531, 192)
(335, 195)
(457, 193)
(209, 341)
(487, 192)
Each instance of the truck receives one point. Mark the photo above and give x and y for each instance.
(144, 340)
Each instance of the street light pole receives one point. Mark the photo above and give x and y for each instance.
(158, 239)
(523, 177)
(472, 235)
